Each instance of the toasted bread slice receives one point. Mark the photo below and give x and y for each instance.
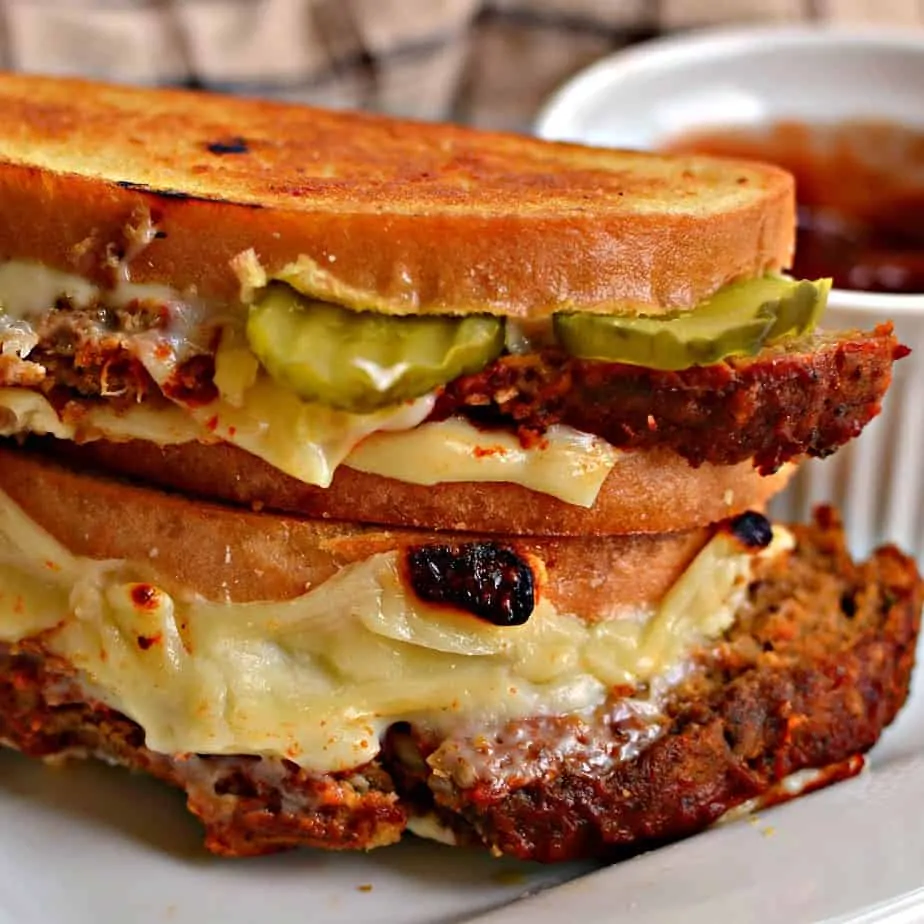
(632, 499)
(233, 555)
(397, 217)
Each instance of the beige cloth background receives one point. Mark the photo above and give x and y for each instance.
(489, 62)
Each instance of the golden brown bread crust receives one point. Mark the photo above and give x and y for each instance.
(633, 499)
(400, 217)
(228, 554)
(818, 664)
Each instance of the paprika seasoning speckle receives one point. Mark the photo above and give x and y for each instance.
(144, 596)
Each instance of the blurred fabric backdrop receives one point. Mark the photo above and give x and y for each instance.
(489, 63)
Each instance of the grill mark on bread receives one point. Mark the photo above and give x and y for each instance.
(180, 195)
(230, 145)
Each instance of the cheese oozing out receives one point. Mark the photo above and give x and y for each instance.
(318, 678)
(305, 440)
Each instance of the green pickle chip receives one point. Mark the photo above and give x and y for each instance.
(361, 361)
(739, 320)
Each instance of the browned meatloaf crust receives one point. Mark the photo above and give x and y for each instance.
(816, 666)
(790, 400)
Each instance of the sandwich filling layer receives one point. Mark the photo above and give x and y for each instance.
(130, 345)
(298, 441)
(246, 408)
(319, 678)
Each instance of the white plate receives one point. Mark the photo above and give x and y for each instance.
(89, 844)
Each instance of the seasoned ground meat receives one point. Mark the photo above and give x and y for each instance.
(85, 351)
(91, 353)
(817, 664)
(248, 805)
(788, 401)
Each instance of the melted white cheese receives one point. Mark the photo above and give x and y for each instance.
(318, 678)
(568, 464)
(430, 828)
(28, 290)
(23, 411)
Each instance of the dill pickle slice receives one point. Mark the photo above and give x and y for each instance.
(739, 320)
(360, 361)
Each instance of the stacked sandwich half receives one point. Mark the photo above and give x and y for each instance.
(363, 477)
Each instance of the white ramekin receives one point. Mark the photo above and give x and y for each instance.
(658, 90)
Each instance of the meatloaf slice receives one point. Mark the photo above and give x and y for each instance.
(817, 664)
(799, 397)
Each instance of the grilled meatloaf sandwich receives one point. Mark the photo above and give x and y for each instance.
(363, 477)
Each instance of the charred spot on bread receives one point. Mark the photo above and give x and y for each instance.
(487, 579)
(179, 195)
(231, 145)
(752, 529)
